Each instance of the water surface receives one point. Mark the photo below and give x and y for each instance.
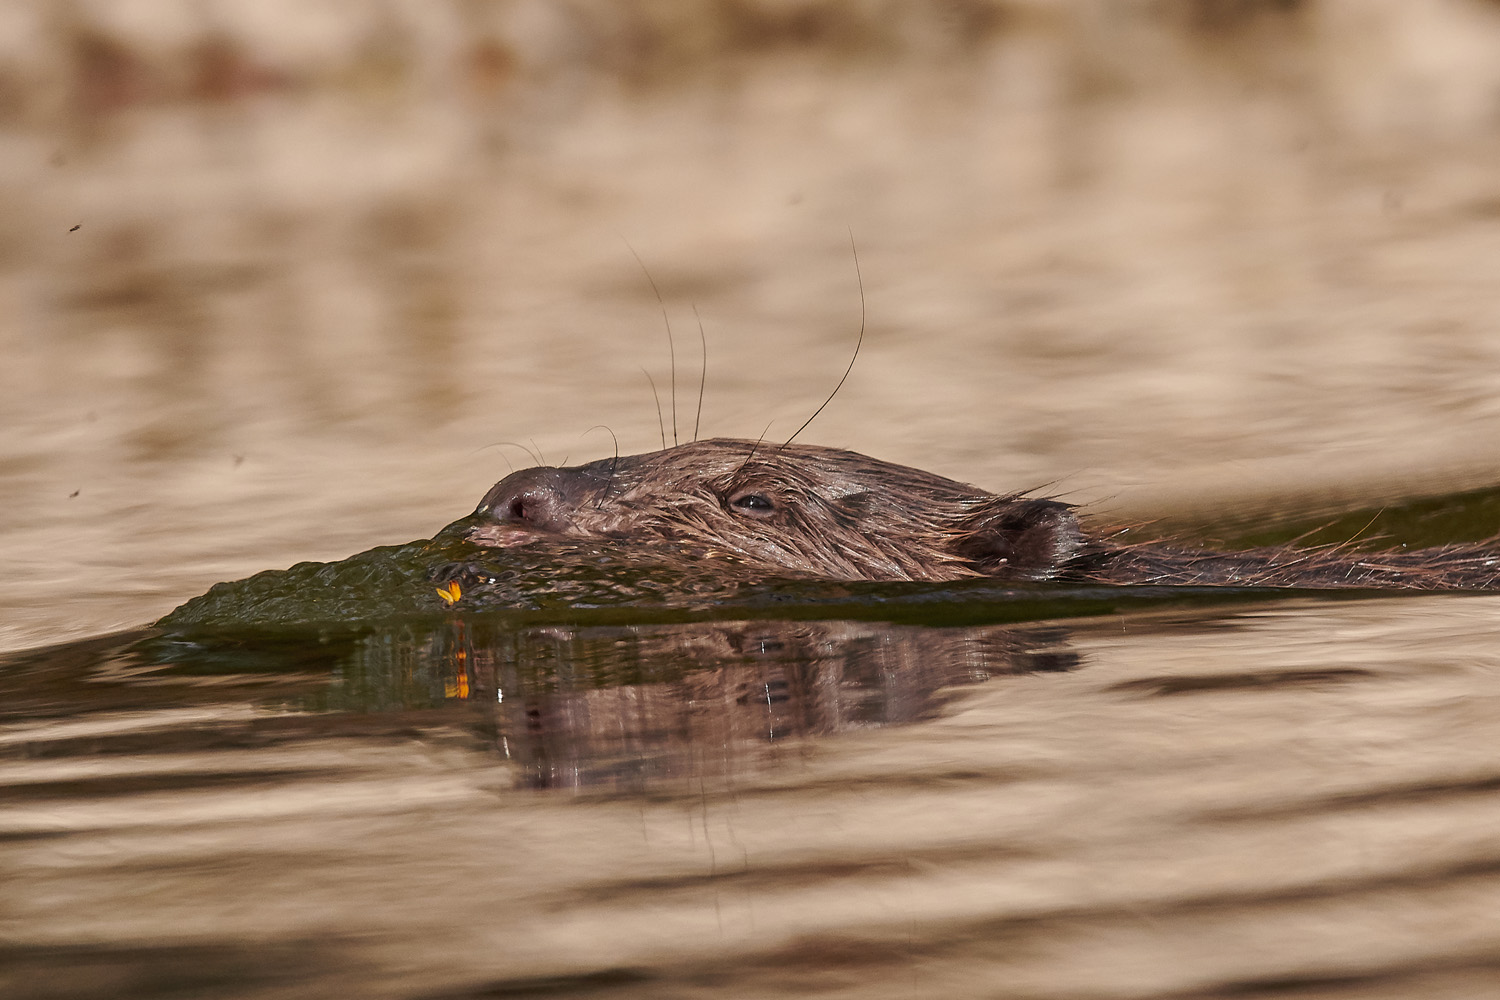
(290, 282)
(1255, 800)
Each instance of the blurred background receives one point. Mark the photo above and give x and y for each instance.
(283, 280)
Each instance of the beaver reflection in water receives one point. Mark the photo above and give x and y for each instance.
(805, 511)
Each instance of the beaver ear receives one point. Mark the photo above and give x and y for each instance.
(1021, 539)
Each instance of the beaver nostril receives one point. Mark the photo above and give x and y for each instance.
(542, 499)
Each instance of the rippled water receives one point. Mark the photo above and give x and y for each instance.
(285, 282)
(1265, 799)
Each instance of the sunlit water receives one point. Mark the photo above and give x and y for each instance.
(1266, 800)
(285, 282)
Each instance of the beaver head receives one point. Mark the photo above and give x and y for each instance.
(795, 509)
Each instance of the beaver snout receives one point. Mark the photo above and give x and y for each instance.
(541, 499)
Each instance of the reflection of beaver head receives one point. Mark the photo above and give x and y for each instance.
(797, 508)
(801, 510)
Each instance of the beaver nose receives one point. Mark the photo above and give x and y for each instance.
(542, 499)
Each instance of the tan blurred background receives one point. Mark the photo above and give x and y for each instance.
(277, 278)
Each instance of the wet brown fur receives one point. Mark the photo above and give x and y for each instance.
(807, 511)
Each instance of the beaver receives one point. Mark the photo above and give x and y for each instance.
(804, 511)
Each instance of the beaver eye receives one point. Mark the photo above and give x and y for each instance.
(757, 504)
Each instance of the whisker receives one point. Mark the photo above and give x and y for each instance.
(535, 456)
(503, 456)
(612, 464)
(657, 397)
(702, 375)
(755, 447)
(671, 345)
(852, 359)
